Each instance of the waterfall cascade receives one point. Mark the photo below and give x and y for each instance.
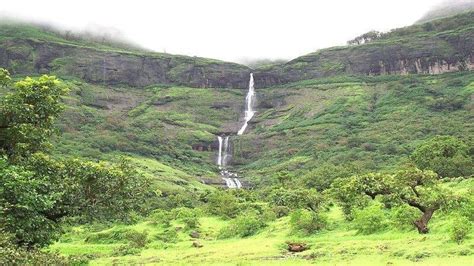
(232, 179)
(249, 101)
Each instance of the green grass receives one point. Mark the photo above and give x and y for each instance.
(338, 245)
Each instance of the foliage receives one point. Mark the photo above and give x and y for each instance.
(461, 226)
(94, 190)
(28, 205)
(446, 155)
(189, 216)
(244, 225)
(365, 38)
(296, 198)
(307, 222)
(403, 216)
(370, 219)
(161, 217)
(413, 187)
(223, 203)
(28, 114)
(11, 254)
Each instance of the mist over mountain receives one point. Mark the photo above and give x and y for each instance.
(448, 8)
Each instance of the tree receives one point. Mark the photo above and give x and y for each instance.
(365, 38)
(445, 155)
(36, 196)
(36, 191)
(414, 187)
(26, 203)
(27, 114)
(308, 199)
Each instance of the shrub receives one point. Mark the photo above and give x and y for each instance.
(125, 250)
(244, 225)
(296, 198)
(445, 155)
(370, 219)
(168, 236)
(137, 239)
(11, 254)
(161, 217)
(186, 215)
(460, 229)
(112, 236)
(262, 210)
(403, 216)
(307, 222)
(223, 204)
(281, 211)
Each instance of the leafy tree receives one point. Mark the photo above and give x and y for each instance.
(223, 203)
(296, 198)
(93, 190)
(365, 38)
(27, 205)
(413, 187)
(244, 225)
(322, 177)
(27, 114)
(308, 222)
(446, 155)
(34, 198)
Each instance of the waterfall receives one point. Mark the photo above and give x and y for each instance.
(249, 101)
(231, 179)
(224, 151)
(219, 156)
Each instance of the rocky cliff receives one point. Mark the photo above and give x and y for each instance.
(434, 47)
(445, 45)
(114, 66)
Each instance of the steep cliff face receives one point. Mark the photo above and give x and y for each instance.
(442, 46)
(30, 56)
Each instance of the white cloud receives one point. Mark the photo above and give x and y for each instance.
(227, 29)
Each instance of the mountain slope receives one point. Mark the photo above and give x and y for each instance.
(441, 46)
(29, 49)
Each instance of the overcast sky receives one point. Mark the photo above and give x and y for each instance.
(231, 30)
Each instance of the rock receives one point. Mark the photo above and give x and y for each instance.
(136, 69)
(196, 244)
(297, 247)
(194, 234)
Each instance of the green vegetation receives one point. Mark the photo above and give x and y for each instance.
(362, 170)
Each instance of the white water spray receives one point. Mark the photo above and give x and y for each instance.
(231, 179)
(249, 102)
(224, 150)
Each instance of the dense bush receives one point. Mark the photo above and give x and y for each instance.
(296, 198)
(168, 236)
(370, 219)
(246, 224)
(262, 209)
(403, 217)
(222, 203)
(190, 217)
(11, 254)
(461, 226)
(161, 217)
(445, 155)
(307, 222)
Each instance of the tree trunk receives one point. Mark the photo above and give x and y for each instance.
(422, 223)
